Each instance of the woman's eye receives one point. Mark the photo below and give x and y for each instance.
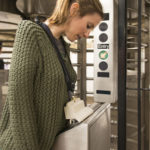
(88, 26)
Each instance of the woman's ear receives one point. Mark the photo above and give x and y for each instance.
(74, 9)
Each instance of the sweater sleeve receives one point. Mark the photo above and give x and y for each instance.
(21, 88)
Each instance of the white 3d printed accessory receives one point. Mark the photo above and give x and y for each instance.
(76, 110)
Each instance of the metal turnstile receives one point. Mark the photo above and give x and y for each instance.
(91, 134)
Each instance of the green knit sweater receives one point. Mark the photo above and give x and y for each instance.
(33, 113)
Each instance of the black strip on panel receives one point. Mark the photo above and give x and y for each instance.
(103, 74)
(103, 92)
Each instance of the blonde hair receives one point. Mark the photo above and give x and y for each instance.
(61, 11)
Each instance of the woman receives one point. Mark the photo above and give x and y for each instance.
(34, 111)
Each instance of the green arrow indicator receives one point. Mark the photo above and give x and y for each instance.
(103, 55)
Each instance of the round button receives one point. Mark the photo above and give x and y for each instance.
(103, 65)
(103, 37)
(103, 26)
(103, 55)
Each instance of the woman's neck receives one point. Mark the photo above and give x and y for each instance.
(57, 30)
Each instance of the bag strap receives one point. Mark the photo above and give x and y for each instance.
(70, 85)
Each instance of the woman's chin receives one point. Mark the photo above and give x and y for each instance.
(69, 40)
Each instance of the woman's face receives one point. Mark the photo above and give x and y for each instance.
(79, 27)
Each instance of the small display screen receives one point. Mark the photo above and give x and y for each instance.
(106, 16)
(103, 74)
(103, 92)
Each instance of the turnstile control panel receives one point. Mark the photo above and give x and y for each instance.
(105, 55)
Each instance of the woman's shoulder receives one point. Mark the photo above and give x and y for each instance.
(27, 29)
(27, 25)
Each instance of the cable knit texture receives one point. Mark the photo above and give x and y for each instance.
(33, 113)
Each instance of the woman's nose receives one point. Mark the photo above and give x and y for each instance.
(86, 34)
